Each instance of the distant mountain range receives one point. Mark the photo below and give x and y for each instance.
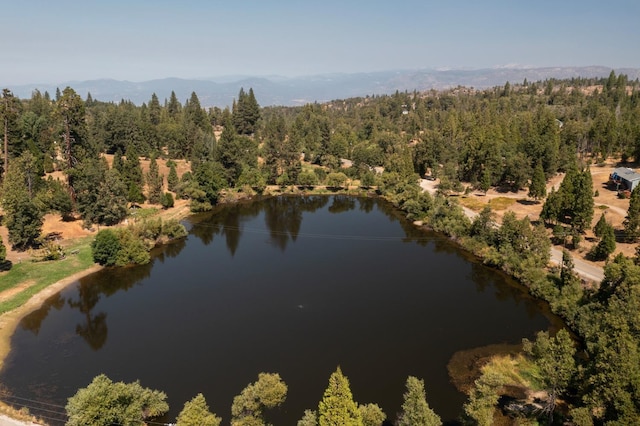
(275, 90)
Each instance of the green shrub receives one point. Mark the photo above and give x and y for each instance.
(132, 249)
(167, 200)
(149, 230)
(307, 178)
(105, 248)
(173, 229)
(336, 179)
(321, 173)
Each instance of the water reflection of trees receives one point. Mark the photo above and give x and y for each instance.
(507, 289)
(341, 204)
(412, 233)
(90, 290)
(283, 216)
(225, 221)
(366, 204)
(283, 219)
(168, 251)
(33, 321)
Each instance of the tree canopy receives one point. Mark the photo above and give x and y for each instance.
(104, 403)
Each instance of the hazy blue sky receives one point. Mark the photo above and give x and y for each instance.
(52, 41)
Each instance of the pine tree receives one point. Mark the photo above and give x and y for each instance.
(194, 114)
(9, 108)
(155, 110)
(372, 415)
(606, 245)
(196, 413)
(599, 229)
(554, 358)
(71, 111)
(230, 153)
(552, 207)
(538, 189)
(172, 178)
(415, 409)
(24, 225)
(632, 222)
(310, 418)
(582, 211)
(118, 164)
(154, 182)
(173, 107)
(21, 216)
(246, 113)
(111, 201)
(337, 407)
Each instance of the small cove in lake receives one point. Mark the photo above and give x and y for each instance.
(293, 285)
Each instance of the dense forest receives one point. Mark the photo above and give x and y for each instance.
(513, 137)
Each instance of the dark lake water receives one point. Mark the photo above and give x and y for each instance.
(296, 286)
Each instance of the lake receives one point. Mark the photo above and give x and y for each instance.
(293, 285)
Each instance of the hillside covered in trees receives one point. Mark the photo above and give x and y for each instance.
(510, 137)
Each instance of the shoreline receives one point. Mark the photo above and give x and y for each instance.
(9, 321)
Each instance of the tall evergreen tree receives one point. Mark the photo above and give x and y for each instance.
(22, 217)
(174, 107)
(118, 163)
(582, 211)
(111, 200)
(538, 188)
(154, 182)
(246, 113)
(194, 113)
(70, 108)
(552, 207)
(554, 358)
(172, 178)
(632, 221)
(415, 409)
(607, 243)
(155, 110)
(600, 226)
(9, 108)
(337, 407)
(196, 413)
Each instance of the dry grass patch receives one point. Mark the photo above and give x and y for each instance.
(513, 370)
(501, 203)
(472, 203)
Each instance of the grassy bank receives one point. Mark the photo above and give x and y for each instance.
(29, 278)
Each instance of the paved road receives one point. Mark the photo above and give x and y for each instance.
(585, 269)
